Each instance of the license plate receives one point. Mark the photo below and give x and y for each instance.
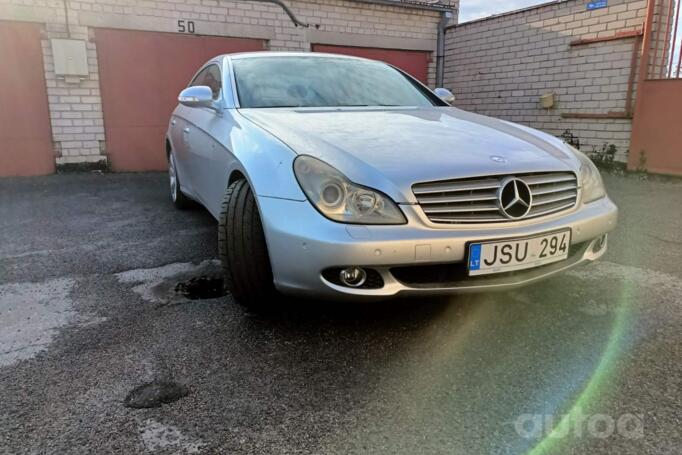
(501, 256)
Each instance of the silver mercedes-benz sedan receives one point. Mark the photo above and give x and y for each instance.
(340, 177)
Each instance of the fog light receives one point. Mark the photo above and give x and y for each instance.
(353, 277)
(599, 244)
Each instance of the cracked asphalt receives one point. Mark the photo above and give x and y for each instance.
(587, 362)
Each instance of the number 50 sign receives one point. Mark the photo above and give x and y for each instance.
(185, 26)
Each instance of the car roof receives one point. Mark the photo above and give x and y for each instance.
(266, 54)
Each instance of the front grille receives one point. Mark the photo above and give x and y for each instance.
(475, 200)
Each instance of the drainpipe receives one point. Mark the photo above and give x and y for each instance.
(445, 17)
(66, 18)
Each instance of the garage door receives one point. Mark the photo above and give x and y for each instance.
(415, 63)
(141, 74)
(25, 134)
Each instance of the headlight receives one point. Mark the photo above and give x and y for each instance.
(592, 184)
(339, 199)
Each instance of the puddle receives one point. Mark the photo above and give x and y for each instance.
(154, 394)
(175, 283)
(202, 287)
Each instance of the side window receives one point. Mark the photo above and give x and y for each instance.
(209, 76)
(199, 78)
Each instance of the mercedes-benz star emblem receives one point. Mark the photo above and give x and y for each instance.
(515, 198)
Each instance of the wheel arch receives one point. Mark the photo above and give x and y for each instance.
(235, 175)
(169, 147)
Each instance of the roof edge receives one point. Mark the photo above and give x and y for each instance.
(509, 13)
(413, 4)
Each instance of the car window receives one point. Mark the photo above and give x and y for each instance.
(210, 77)
(324, 82)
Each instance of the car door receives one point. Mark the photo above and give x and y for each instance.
(209, 158)
(181, 126)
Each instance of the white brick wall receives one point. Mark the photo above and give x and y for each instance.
(76, 108)
(500, 67)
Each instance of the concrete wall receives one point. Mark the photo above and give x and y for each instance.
(76, 108)
(501, 66)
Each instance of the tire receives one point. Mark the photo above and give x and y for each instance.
(180, 201)
(242, 249)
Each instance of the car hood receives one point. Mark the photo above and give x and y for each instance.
(392, 149)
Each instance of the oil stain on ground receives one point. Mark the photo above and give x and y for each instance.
(202, 287)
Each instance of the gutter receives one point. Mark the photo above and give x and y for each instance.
(414, 4)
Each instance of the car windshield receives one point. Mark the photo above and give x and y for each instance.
(323, 82)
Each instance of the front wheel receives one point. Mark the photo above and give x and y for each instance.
(242, 248)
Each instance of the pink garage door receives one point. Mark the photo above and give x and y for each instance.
(25, 134)
(656, 133)
(415, 63)
(141, 74)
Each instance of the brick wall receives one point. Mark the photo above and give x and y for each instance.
(501, 66)
(76, 108)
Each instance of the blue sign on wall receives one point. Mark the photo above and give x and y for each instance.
(597, 5)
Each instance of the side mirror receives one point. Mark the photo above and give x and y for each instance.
(196, 96)
(445, 94)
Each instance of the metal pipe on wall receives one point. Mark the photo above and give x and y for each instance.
(445, 17)
(288, 11)
(66, 18)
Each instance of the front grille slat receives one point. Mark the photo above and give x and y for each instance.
(475, 200)
(424, 200)
(492, 219)
(473, 185)
(556, 197)
(462, 208)
(541, 179)
(554, 189)
(547, 211)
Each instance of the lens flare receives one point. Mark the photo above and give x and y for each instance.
(614, 346)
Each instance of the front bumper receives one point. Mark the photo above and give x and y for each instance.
(303, 244)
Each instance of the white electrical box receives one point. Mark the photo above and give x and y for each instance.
(70, 58)
(547, 100)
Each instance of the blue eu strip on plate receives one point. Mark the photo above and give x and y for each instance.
(475, 256)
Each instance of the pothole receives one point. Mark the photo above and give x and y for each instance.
(154, 394)
(169, 284)
(202, 287)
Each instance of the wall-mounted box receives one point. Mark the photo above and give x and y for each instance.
(547, 100)
(70, 58)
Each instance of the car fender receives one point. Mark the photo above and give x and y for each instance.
(264, 160)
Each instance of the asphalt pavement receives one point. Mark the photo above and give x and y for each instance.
(96, 272)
